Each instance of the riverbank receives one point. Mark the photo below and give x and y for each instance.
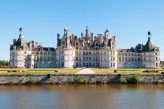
(81, 79)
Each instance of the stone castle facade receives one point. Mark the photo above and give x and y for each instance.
(84, 51)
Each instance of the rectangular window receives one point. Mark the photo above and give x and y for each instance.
(156, 64)
(76, 58)
(119, 59)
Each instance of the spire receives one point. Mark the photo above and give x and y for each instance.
(65, 32)
(87, 31)
(21, 32)
(149, 36)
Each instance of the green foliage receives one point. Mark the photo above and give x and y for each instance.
(4, 64)
(30, 81)
(79, 80)
(123, 80)
(133, 79)
(158, 82)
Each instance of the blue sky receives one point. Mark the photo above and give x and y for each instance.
(128, 20)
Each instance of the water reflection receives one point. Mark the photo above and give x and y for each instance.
(82, 97)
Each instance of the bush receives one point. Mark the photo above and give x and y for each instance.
(79, 80)
(123, 80)
(157, 82)
(133, 79)
(30, 81)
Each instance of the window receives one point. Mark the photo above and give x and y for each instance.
(156, 64)
(119, 59)
(113, 58)
(113, 64)
(76, 58)
(122, 59)
(112, 43)
(132, 59)
(126, 59)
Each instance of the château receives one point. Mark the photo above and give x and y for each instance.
(86, 50)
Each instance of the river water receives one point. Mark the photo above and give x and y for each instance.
(82, 97)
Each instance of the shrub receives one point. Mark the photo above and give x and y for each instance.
(133, 79)
(157, 82)
(123, 80)
(30, 81)
(79, 80)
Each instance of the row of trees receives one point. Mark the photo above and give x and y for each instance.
(4, 64)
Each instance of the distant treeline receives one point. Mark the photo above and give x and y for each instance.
(4, 64)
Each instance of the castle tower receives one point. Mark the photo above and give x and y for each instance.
(149, 45)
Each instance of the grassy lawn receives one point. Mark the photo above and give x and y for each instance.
(126, 71)
(74, 70)
(40, 71)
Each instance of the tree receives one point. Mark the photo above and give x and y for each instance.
(4, 64)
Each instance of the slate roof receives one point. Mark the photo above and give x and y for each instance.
(149, 46)
(44, 48)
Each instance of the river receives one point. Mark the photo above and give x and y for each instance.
(82, 97)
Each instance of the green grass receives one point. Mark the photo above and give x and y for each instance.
(74, 70)
(40, 71)
(125, 71)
